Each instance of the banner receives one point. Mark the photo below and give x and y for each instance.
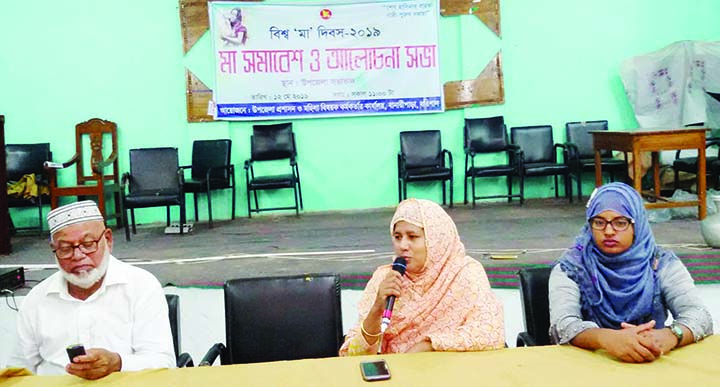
(278, 61)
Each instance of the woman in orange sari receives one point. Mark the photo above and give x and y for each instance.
(444, 301)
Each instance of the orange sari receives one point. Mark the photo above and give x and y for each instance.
(449, 302)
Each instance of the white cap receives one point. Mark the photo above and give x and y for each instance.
(73, 213)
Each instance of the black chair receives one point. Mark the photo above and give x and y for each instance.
(280, 318)
(25, 159)
(422, 158)
(580, 152)
(689, 164)
(539, 157)
(485, 137)
(536, 306)
(211, 170)
(269, 143)
(182, 359)
(154, 180)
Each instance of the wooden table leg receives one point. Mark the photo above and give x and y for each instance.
(656, 173)
(637, 168)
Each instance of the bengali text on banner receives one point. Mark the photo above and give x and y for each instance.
(336, 59)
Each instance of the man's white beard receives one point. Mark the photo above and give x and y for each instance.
(86, 279)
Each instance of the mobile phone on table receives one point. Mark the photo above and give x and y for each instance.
(75, 350)
(375, 370)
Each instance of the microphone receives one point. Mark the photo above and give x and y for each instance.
(399, 265)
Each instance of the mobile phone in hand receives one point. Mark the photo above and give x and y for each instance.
(375, 370)
(75, 350)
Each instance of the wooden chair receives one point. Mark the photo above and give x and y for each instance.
(101, 177)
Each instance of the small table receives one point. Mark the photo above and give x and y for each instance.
(654, 141)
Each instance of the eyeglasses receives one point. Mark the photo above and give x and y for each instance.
(620, 223)
(85, 247)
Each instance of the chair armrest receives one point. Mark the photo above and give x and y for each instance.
(184, 360)
(216, 350)
(100, 166)
(229, 167)
(125, 179)
(564, 148)
(246, 166)
(49, 165)
(181, 177)
(449, 155)
(525, 340)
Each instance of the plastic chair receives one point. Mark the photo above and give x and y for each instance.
(485, 137)
(25, 159)
(91, 168)
(539, 157)
(211, 170)
(280, 318)
(536, 306)
(422, 158)
(272, 143)
(154, 180)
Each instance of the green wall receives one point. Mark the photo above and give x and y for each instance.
(65, 62)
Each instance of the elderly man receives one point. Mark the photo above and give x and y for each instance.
(117, 311)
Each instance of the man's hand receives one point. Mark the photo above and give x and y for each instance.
(95, 364)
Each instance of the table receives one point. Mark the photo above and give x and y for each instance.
(654, 141)
(697, 364)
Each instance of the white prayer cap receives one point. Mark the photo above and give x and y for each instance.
(73, 213)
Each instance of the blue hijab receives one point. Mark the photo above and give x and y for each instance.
(623, 287)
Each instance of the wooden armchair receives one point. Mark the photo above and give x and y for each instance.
(92, 179)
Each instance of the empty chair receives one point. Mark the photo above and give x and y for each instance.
(154, 180)
(536, 306)
(422, 158)
(485, 138)
(689, 164)
(96, 174)
(28, 159)
(539, 157)
(581, 154)
(274, 142)
(183, 359)
(211, 170)
(280, 318)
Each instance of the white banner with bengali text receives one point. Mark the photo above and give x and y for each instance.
(278, 61)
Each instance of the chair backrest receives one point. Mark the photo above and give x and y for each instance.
(154, 170)
(577, 133)
(536, 142)
(486, 135)
(97, 130)
(421, 148)
(272, 142)
(173, 301)
(207, 154)
(283, 318)
(535, 302)
(23, 159)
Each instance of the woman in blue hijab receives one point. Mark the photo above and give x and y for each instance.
(613, 289)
